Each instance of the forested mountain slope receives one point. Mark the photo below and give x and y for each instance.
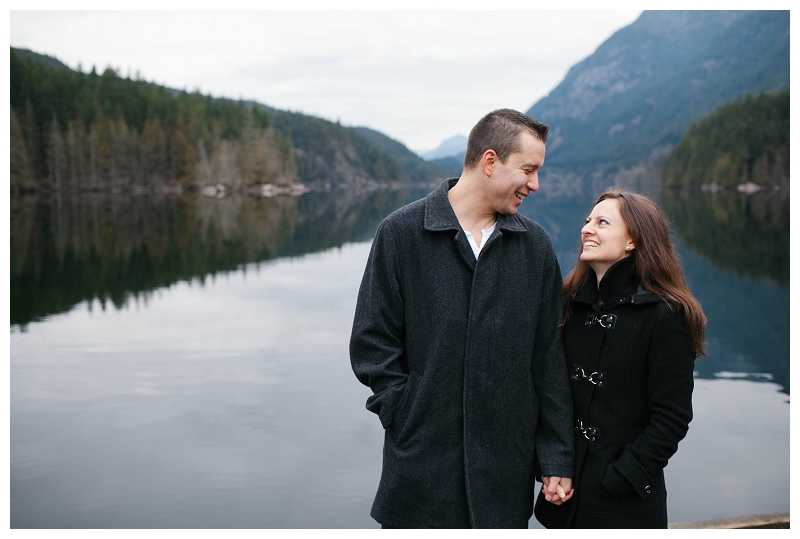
(75, 130)
(72, 130)
(333, 154)
(635, 97)
(744, 141)
(419, 170)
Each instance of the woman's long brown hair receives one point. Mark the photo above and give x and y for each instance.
(657, 263)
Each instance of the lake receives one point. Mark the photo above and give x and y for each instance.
(182, 361)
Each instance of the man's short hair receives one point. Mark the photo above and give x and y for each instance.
(500, 131)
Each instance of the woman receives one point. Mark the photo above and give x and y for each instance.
(631, 334)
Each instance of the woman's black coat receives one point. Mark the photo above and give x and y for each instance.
(632, 363)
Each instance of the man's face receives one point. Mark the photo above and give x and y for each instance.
(510, 182)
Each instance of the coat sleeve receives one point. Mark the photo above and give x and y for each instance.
(377, 342)
(670, 381)
(555, 451)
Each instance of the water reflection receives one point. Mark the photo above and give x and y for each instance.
(226, 398)
(746, 234)
(109, 248)
(744, 289)
(562, 215)
(748, 324)
(70, 249)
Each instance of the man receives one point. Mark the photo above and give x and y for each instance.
(456, 331)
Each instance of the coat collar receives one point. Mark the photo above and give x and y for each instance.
(439, 214)
(619, 285)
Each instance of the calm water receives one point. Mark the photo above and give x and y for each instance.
(182, 362)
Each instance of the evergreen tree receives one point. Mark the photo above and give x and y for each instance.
(743, 141)
(105, 131)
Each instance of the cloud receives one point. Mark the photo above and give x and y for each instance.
(418, 76)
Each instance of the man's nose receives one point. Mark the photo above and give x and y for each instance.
(533, 183)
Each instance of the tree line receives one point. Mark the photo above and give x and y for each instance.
(72, 130)
(744, 141)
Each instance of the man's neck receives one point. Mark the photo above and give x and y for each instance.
(470, 208)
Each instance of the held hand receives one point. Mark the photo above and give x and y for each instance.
(557, 490)
(565, 489)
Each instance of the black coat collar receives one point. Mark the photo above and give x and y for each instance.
(619, 285)
(439, 214)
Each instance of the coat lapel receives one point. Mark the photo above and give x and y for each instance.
(440, 217)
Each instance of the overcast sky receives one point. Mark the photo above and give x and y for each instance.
(417, 76)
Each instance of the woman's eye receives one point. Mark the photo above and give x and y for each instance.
(603, 222)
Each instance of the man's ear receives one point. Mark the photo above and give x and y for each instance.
(488, 161)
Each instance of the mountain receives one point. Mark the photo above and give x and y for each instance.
(449, 155)
(418, 170)
(76, 131)
(454, 165)
(88, 131)
(744, 141)
(635, 97)
(454, 146)
(333, 154)
(45, 60)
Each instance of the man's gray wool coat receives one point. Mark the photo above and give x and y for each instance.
(466, 363)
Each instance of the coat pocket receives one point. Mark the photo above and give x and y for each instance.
(615, 483)
(625, 475)
(402, 425)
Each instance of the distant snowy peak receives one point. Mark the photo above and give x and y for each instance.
(455, 145)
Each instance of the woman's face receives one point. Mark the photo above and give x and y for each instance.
(605, 237)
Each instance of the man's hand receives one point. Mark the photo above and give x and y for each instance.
(557, 490)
